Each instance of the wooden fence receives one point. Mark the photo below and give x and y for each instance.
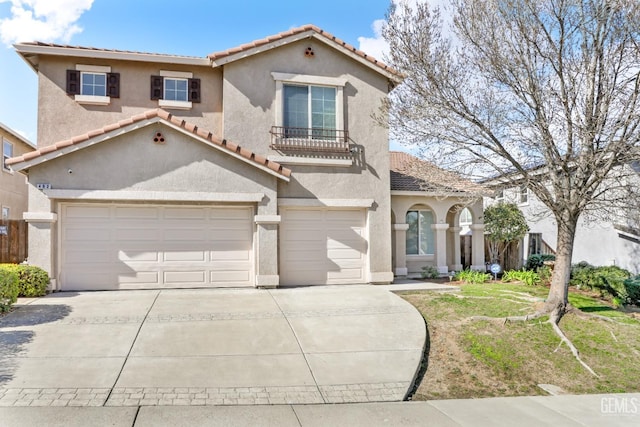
(13, 241)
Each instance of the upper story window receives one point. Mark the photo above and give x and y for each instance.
(93, 84)
(500, 195)
(309, 113)
(7, 153)
(175, 89)
(420, 237)
(523, 195)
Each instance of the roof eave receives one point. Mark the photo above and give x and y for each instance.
(28, 51)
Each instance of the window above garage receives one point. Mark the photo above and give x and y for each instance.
(309, 114)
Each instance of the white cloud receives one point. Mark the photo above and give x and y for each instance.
(42, 20)
(375, 46)
(378, 47)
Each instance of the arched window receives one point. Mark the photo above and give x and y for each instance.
(420, 239)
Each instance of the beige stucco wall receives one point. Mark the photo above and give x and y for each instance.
(13, 185)
(61, 117)
(133, 162)
(249, 112)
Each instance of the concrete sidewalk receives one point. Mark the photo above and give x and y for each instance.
(613, 410)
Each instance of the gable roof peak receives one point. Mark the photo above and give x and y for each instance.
(299, 33)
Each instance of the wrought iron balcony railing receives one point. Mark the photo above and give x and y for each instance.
(309, 139)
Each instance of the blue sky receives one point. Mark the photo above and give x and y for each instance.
(189, 27)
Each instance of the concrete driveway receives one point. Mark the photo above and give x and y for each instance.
(210, 347)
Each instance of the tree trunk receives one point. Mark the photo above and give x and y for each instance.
(557, 301)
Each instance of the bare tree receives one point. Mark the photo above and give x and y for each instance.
(539, 92)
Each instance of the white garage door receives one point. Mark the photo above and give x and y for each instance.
(137, 247)
(322, 246)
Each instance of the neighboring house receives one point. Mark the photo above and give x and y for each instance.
(14, 192)
(257, 166)
(597, 241)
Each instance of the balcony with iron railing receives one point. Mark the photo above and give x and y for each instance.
(309, 139)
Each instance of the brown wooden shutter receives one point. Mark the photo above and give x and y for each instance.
(113, 85)
(73, 82)
(194, 90)
(157, 87)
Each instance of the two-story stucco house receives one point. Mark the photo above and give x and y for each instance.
(13, 186)
(257, 166)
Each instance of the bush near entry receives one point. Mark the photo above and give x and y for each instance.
(8, 288)
(32, 280)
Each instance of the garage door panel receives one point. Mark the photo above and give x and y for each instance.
(81, 257)
(87, 212)
(134, 247)
(183, 277)
(323, 246)
(229, 276)
(194, 256)
(136, 212)
(135, 234)
(87, 235)
(184, 234)
(140, 277)
(183, 213)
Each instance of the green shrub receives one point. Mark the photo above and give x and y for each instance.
(429, 272)
(32, 280)
(632, 287)
(525, 276)
(536, 261)
(608, 281)
(8, 288)
(472, 276)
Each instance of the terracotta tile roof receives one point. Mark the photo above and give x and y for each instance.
(283, 35)
(96, 49)
(164, 115)
(408, 173)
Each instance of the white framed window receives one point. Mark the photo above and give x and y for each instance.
(5, 212)
(309, 102)
(7, 153)
(309, 111)
(500, 195)
(93, 84)
(523, 195)
(420, 239)
(175, 89)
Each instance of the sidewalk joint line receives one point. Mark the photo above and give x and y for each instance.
(299, 346)
(133, 343)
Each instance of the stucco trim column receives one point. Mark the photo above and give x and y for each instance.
(41, 241)
(266, 257)
(456, 264)
(400, 269)
(477, 247)
(441, 247)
